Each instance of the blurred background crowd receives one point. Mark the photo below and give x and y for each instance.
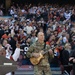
(57, 22)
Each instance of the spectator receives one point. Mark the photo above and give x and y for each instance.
(64, 58)
(72, 60)
(1, 12)
(12, 42)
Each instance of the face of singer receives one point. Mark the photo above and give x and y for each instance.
(41, 37)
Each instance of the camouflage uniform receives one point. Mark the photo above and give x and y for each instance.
(43, 66)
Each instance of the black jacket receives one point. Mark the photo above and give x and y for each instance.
(64, 57)
(72, 54)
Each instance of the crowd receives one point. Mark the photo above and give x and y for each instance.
(57, 23)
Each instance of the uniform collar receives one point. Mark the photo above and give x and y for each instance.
(40, 43)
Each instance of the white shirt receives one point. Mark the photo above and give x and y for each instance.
(15, 57)
(11, 12)
(29, 29)
(16, 54)
(67, 15)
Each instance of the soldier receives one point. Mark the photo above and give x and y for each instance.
(43, 67)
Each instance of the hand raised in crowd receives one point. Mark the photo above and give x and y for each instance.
(18, 45)
(72, 59)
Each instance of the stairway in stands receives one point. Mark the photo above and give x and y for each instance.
(28, 70)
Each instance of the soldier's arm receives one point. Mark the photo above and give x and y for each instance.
(30, 51)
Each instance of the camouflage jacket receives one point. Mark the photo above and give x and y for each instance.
(37, 47)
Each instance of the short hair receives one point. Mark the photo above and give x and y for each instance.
(40, 33)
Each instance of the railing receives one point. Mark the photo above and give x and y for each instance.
(29, 70)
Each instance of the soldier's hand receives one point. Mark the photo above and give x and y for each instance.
(41, 51)
(36, 55)
(51, 52)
